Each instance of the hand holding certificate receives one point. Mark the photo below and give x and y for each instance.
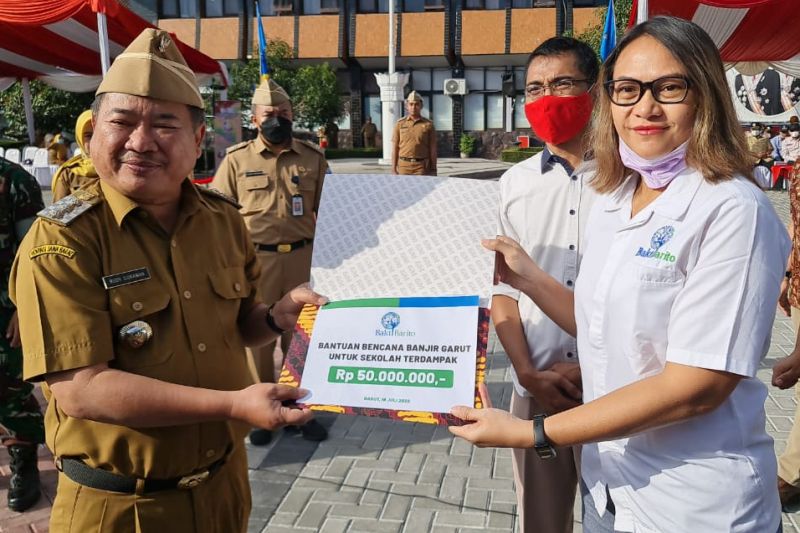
(405, 332)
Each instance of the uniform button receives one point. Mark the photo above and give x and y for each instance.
(574, 178)
(137, 306)
(187, 294)
(571, 246)
(210, 453)
(570, 354)
(237, 287)
(569, 283)
(201, 347)
(571, 211)
(174, 243)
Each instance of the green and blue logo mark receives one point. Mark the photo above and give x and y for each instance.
(659, 239)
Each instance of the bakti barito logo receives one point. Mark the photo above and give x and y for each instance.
(659, 239)
(390, 321)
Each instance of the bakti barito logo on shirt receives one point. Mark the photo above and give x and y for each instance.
(659, 239)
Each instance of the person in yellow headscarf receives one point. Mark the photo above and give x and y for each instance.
(79, 170)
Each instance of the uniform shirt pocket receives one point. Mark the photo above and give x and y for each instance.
(230, 285)
(148, 304)
(651, 292)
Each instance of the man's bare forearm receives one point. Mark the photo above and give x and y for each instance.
(104, 394)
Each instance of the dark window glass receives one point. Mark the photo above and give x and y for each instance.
(329, 6)
(188, 8)
(276, 7)
(311, 7)
(521, 3)
(544, 3)
(169, 9)
(589, 3)
(473, 4)
(413, 5)
(213, 8)
(485, 4)
(233, 7)
(373, 6)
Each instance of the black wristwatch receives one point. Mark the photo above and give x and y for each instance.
(271, 324)
(788, 274)
(541, 445)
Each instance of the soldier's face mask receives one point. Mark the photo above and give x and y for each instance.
(277, 130)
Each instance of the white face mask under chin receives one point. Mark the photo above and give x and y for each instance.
(795, 134)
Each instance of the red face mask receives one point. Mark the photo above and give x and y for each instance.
(557, 119)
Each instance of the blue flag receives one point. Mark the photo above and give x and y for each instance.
(262, 46)
(609, 40)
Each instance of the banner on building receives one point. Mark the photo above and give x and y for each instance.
(768, 96)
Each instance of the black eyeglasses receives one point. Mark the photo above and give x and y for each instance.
(667, 90)
(562, 87)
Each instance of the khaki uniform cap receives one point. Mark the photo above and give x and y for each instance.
(413, 96)
(270, 93)
(153, 67)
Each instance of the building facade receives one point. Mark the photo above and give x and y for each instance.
(483, 42)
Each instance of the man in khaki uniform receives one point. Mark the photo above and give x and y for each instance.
(414, 141)
(369, 130)
(136, 297)
(278, 181)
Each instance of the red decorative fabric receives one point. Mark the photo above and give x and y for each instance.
(40, 12)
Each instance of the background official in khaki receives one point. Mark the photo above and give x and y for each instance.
(278, 181)
(136, 297)
(414, 141)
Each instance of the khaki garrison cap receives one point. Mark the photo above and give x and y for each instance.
(270, 93)
(413, 96)
(153, 67)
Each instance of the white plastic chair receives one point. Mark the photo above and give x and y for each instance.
(41, 169)
(28, 152)
(74, 149)
(13, 155)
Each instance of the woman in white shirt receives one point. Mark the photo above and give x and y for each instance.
(673, 306)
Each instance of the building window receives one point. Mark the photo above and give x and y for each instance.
(485, 106)
(373, 6)
(589, 3)
(276, 7)
(315, 7)
(222, 8)
(178, 9)
(372, 109)
(520, 121)
(442, 112)
(484, 4)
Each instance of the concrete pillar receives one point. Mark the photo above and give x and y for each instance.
(392, 92)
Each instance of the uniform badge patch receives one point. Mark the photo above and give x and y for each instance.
(55, 249)
(66, 210)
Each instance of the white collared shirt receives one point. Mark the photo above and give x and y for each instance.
(691, 279)
(545, 209)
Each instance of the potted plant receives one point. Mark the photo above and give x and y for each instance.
(466, 145)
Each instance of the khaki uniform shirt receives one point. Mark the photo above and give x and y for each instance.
(369, 130)
(759, 146)
(199, 281)
(264, 183)
(69, 178)
(415, 137)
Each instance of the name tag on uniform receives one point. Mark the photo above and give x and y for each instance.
(126, 278)
(252, 173)
(297, 205)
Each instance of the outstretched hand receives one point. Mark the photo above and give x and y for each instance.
(261, 405)
(491, 427)
(512, 264)
(288, 308)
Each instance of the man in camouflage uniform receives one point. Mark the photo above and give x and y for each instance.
(21, 423)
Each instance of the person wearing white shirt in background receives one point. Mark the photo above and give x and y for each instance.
(673, 307)
(790, 146)
(544, 204)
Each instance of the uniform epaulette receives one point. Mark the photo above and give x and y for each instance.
(309, 144)
(237, 146)
(214, 193)
(65, 211)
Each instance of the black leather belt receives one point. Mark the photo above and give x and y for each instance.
(99, 479)
(413, 159)
(283, 248)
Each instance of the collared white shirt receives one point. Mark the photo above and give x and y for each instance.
(790, 149)
(691, 279)
(545, 208)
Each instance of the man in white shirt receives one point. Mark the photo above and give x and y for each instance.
(544, 204)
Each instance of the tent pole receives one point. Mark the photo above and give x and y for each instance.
(26, 98)
(102, 33)
(642, 11)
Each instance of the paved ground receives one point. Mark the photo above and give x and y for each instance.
(382, 476)
(474, 167)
